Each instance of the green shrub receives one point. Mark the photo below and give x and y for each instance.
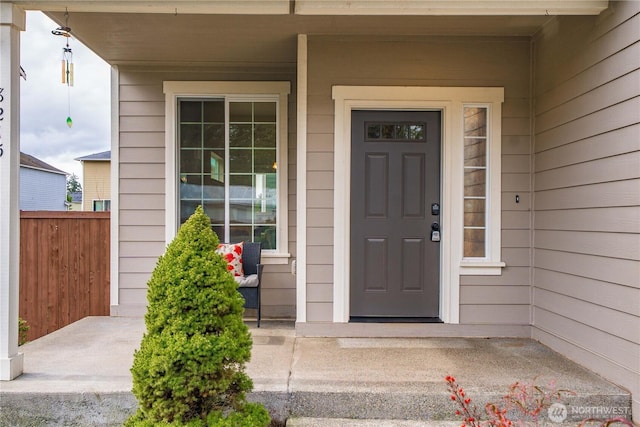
(23, 329)
(189, 370)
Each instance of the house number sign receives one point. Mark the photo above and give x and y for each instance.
(1, 119)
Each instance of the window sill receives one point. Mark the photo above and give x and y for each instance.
(275, 258)
(481, 268)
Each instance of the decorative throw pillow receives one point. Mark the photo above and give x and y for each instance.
(232, 253)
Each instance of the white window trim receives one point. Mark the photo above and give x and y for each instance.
(451, 101)
(490, 264)
(229, 90)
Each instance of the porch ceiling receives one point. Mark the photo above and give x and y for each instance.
(205, 39)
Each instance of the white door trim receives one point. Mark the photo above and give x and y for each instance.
(450, 101)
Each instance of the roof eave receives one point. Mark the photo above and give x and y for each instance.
(326, 7)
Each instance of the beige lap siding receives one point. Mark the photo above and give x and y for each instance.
(142, 185)
(586, 299)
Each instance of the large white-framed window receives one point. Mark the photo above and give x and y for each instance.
(451, 101)
(227, 151)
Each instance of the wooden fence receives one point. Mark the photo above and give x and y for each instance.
(64, 268)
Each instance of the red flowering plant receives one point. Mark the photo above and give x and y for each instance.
(524, 403)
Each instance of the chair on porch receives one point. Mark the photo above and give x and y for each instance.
(249, 285)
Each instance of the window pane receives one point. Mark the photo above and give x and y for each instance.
(475, 182)
(190, 161)
(215, 211)
(265, 161)
(240, 112)
(266, 235)
(475, 121)
(214, 111)
(219, 230)
(416, 133)
(190, 186)
(387, 131)
(474, 212)
(190, 135)
(240, 135)
(373, 131)
(212, 188)
(187, 208)
(264, 211)
(214, 164)
(402, 131)
(241, 187)
(240, 234)
(474, 243)
(475, 152)
(240, 212)
(265, 136)
(190, 111)
(214, 136)
(265, 112)
(240, 161)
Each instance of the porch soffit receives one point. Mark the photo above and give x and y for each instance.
(260, 41)
(263, 33)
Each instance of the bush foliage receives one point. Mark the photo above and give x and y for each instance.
(189, 370)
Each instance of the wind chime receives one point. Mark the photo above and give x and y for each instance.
(67, 62)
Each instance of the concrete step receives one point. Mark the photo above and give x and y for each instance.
(344, 422)
(308, 409)
(438, 407)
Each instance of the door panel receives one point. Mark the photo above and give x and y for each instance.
(413, 189)
(375, 256)
(377, 185)
(413, 264)
(395, 177)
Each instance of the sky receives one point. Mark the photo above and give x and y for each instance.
(44, 100)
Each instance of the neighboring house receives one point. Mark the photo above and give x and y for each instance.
(96, 181)
(76, 201)
(42, 186)
(468, 168)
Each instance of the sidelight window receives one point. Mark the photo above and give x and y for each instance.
(475, 182)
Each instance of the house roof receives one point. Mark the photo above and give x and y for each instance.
(76, 196)
(31, 162)
(103, 156)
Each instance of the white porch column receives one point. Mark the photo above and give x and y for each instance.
(12, 21)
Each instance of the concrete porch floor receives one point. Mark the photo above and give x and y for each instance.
(79, 375)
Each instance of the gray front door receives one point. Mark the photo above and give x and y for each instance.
(395, 199)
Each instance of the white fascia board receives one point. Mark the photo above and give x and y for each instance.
(449, 7)
(236, 7)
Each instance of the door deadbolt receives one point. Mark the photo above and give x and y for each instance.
(435, 232)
